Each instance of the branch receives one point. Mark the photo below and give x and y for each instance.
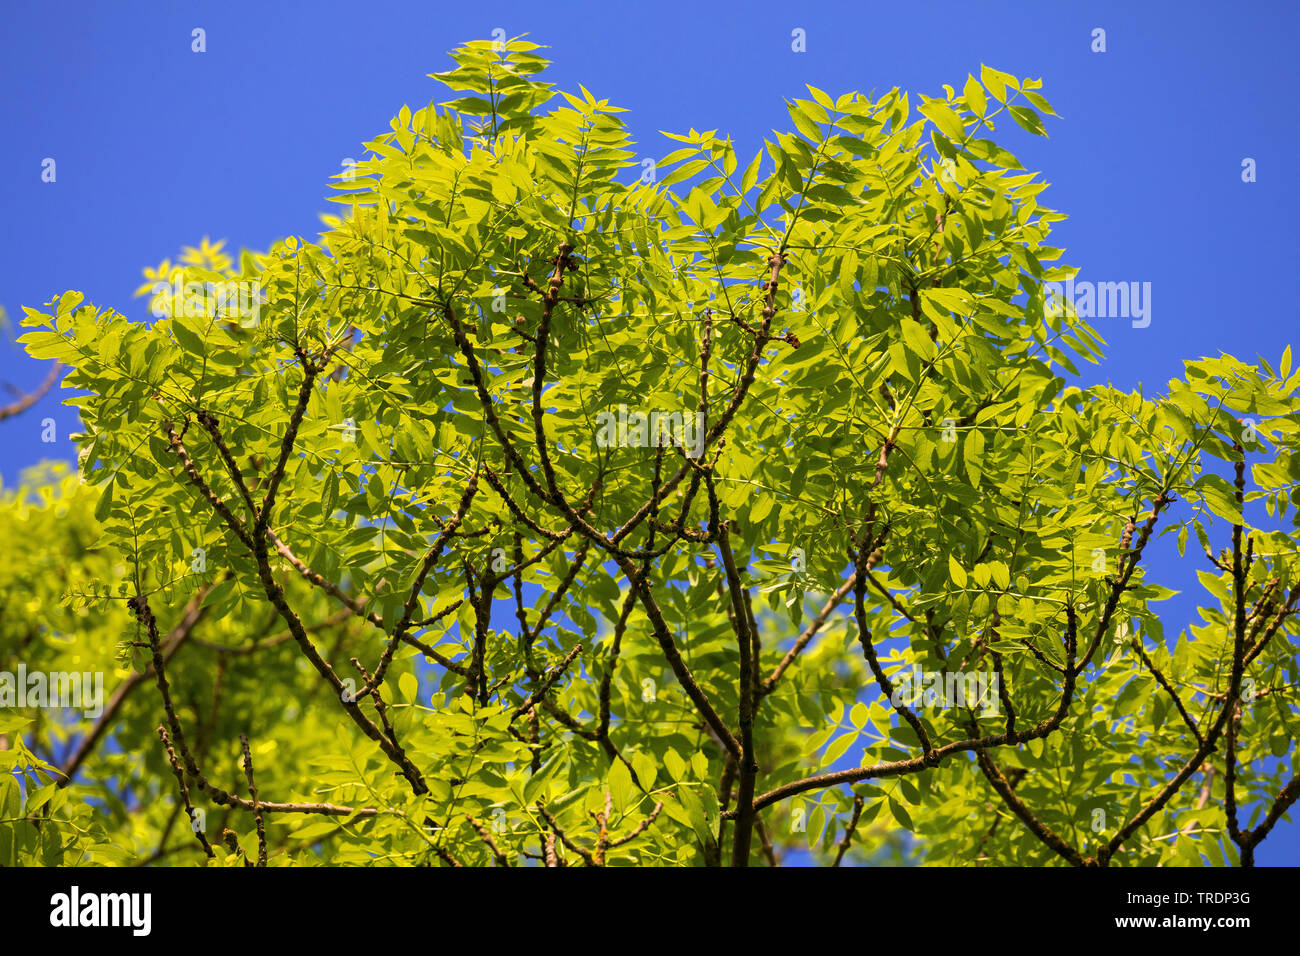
(1125, 571)
(547, 683)
(140, 605)
(849, 830)
(748, 764)
(413, 599)
(179, 634)
(809, 632)
(185, 793)
(309, 372)
(257, 809)
(1036, 826)
(32, 397)
(1168, 688)
(897, 768)
(486, 836)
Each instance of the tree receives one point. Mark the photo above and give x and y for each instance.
(533, 514)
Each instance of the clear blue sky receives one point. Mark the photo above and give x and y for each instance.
(157, 146)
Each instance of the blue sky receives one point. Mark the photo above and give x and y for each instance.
(157, 146)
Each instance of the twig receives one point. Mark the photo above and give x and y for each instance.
(257, 809)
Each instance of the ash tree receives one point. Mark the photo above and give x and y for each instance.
(558, 507)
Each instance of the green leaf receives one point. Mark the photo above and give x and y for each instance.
(805, 124)
(187, 338)
(12, 722)
(408, 687)
(948, 122)
(917, 340)
(620, 785)
(750, 177)
(974, 94)
(996, 82)
(1220, 498)
(104, 506)
(956, 573)
(1028, 119)
(901, 815)
(1039, 101)
(647, 770)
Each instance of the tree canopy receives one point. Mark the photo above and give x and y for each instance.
(560, 507)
